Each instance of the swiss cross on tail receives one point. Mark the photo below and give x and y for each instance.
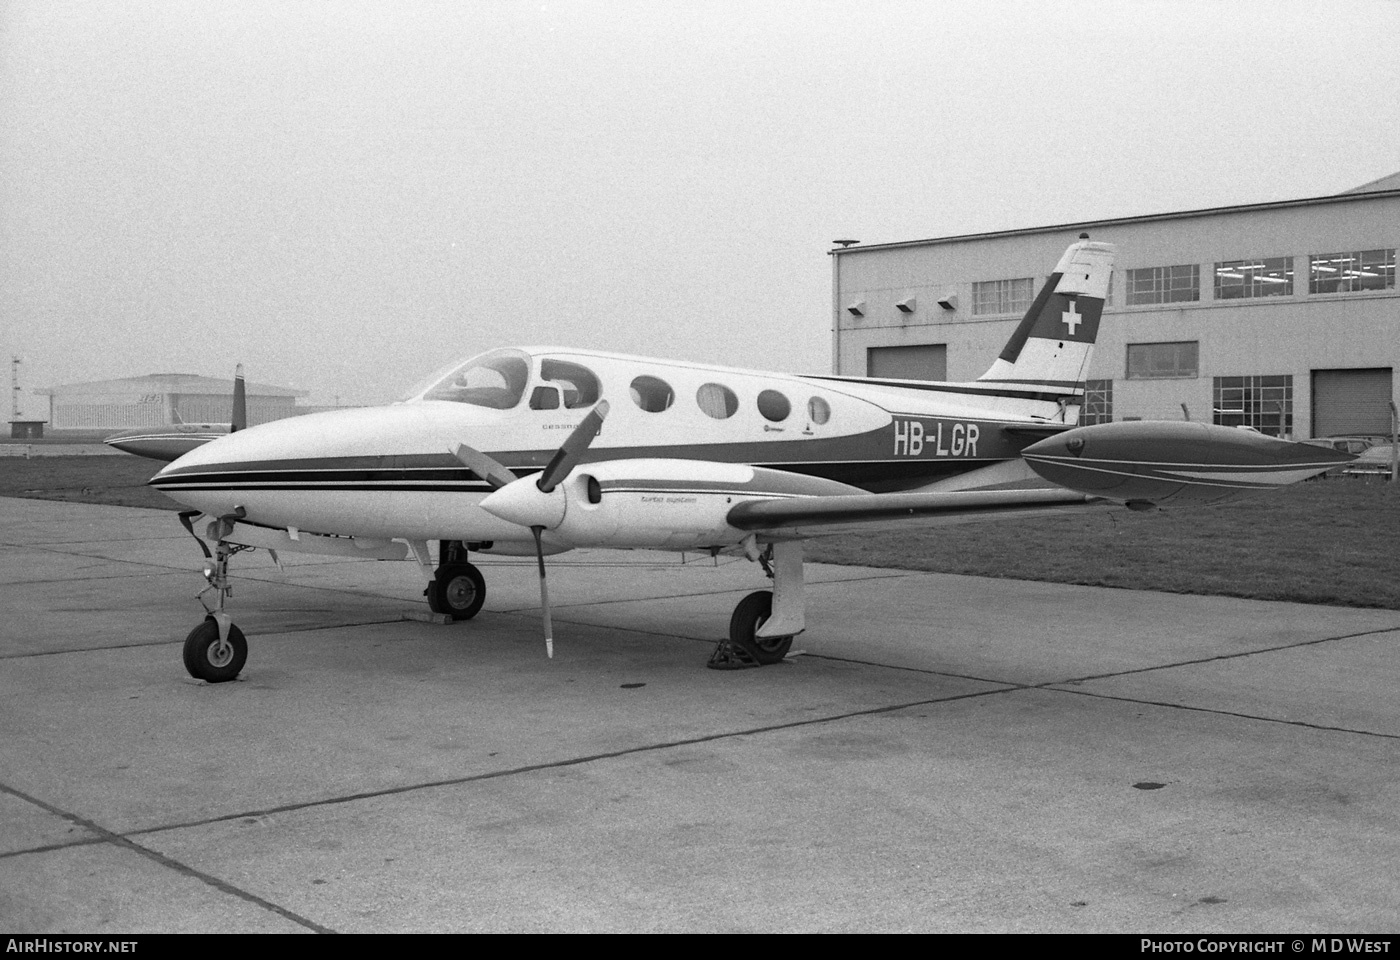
(1071, 318)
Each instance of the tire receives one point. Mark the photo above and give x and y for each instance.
(458, 591)
(211, 661)
(749, 615)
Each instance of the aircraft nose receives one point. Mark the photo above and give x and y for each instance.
(310, 452)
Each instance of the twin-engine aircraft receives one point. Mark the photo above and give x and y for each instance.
(541, 450)
(173, 442)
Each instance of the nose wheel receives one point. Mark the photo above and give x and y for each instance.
(213, 654)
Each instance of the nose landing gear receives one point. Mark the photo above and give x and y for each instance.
(216, 650)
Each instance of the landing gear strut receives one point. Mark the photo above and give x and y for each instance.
(457, 588)
(216, 650)
(764, 623)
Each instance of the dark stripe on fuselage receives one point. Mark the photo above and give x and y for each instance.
(871, 461)
(963, 389)
(873, 476)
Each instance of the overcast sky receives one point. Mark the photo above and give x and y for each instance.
(345, 195)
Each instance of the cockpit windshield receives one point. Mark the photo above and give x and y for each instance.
(496, 380)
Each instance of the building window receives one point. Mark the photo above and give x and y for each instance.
(1350, 272)
(1002, 296)
(1098, 402)
(1264, 403)
(1164, 284)
(1162, 361)
(1239, 279)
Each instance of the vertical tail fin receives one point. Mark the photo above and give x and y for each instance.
(240, 402)
(1054, 342)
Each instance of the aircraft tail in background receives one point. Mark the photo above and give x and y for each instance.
(240, 402)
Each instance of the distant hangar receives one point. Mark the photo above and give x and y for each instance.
(162, 399)
(1279, 316)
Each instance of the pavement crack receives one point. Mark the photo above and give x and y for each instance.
(103, 835)
(569, 761)
(1216, 711)
(1222, 656)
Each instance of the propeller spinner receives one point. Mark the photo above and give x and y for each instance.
(533, 502)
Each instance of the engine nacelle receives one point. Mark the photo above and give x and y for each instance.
(672, 504)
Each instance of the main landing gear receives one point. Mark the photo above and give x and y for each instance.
(763, 623)
(457, 588)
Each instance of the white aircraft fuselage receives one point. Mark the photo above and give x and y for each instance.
(683, 442)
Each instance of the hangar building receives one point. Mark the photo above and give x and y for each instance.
(1279, 316)
(162, 399)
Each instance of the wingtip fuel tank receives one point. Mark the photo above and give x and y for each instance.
(1157, 462)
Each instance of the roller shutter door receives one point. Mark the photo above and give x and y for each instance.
(923, 362)
(1347, 402)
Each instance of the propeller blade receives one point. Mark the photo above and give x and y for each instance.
(573, 448)
(487, 468)
(544, 594)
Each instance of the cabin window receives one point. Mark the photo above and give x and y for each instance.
(577, 384)
(544, 398)
(717, 401)
(496, 380)
(818, 411)
(774, 406)
(652, 394)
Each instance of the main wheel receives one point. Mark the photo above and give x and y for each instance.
(458, 591)
(749, 615)
(210, 659)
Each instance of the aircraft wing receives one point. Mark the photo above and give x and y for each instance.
(824, 516)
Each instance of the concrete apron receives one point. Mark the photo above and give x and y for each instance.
(951, 753)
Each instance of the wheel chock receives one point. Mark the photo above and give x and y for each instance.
(730, 656)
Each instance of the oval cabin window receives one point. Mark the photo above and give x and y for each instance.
(818, 410)
(773, 405)
(717, 401)
(652, 394)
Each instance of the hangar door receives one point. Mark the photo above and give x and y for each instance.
(1346, 402)
(924, 362)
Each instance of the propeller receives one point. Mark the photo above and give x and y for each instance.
(529, 501)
